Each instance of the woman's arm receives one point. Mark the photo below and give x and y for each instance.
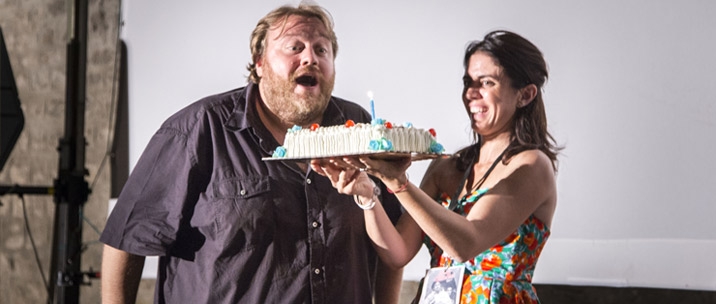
(396, 245)
(388, 281)
(516, 191)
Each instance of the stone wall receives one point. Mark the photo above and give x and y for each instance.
(35, 33)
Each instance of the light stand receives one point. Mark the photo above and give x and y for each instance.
(71, 189)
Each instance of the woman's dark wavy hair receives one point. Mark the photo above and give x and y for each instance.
(522, 62)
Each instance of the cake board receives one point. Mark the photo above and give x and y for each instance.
(385, 155)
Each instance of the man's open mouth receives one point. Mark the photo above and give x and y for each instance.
(307, 80)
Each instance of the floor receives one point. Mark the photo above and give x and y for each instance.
(563, 294)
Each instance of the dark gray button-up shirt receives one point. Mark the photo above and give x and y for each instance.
(231, 228)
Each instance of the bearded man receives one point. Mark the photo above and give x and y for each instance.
(231, 228)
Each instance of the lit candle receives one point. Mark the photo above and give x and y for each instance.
(372, 105)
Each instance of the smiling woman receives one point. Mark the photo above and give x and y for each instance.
(493, 244)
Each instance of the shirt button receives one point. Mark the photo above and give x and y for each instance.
(315, 224)
(317, 271)
(308, 181)
(243, 192)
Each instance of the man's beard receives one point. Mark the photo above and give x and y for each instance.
(292, 108)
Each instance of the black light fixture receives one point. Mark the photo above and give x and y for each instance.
(11, 118)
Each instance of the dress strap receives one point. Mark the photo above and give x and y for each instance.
(455, 198)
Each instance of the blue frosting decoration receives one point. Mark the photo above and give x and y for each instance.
(408, 124)
(380, 145)
(279, 152)
(374, 145)
(435, 147)
(377, 121)
(387, 144)
(295, 128)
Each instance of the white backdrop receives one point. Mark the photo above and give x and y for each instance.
(630, 96)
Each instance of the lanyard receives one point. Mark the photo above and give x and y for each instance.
(454, 199)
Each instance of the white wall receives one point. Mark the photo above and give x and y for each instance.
(630, 96)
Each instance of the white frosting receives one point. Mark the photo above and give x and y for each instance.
(342, 140)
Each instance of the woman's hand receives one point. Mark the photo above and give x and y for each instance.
(347, 173)
(384, 168)
(346, 178)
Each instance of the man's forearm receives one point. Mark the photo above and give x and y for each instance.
(121, 272)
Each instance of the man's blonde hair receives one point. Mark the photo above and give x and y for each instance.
(278, 17)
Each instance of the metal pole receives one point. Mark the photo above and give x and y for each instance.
(71, 189)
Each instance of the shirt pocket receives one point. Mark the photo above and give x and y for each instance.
(242, 187)
(244, 213)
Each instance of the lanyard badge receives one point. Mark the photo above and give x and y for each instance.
(442, 285)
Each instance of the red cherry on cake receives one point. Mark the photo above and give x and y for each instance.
(432, 132)
(350, 123)
(314, 127)
(388, 125)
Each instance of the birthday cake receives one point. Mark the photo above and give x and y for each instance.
(357, 139)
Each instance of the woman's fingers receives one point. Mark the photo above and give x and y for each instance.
(341, 175)
(345, 162)
(385, 168)
(354, 162)
(317, 166)
(346, 177)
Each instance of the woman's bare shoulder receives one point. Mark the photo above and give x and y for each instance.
(533, 157)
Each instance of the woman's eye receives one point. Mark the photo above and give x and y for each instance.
(467, 81)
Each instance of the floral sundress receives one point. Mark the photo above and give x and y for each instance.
(503, 273)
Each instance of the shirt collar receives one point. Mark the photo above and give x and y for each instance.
(244, 114)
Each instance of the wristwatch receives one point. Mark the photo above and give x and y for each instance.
(371, 203)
